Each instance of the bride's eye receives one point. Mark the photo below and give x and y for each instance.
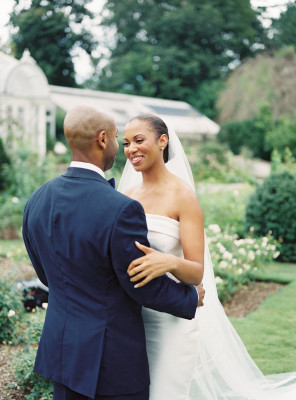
(125, 144)
(139, 140)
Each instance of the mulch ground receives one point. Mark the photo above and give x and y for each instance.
(242, 303)
(248, 299)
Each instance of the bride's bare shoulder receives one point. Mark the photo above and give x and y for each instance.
(186, 197)
(132, 191)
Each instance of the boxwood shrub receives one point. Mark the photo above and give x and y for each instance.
(272, 209)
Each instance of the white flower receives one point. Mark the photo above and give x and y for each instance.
(251, 255)
(60, 148)
(8, 255)
(222, 264)
(276, 254)
(258, 252)
(44, 305)
(234, 261)
(221, 247)
(218, 280)
(227, 255)
(11, 313)
(214, 228)
(15, 200)
(242, 251)
(240, 271)
(246, 266)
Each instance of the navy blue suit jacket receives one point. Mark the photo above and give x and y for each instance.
(80, 233)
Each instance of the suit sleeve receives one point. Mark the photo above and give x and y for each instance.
(161, 294)
(32, 252)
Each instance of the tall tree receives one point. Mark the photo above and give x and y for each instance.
(168, 48)
(285, 27)
(47, 30)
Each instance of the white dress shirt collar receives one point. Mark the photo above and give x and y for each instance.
(85, 165)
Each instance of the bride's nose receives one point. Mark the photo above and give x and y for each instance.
(133, 147)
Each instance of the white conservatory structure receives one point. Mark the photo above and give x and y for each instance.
(25, 107)
(28, 105)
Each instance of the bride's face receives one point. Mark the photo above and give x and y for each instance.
(141, 145)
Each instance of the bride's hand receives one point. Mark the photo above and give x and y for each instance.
(150, 266)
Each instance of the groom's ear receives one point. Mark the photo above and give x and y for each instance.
(101, 139)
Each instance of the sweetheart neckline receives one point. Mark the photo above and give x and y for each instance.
(164, 216)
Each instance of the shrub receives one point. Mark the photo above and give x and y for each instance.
(248, 133)
(282, 134)
(235, 260)
(10, 308)
(35, 386)
(272, 208)
(214, 162)
(283, 162)
(26, 173)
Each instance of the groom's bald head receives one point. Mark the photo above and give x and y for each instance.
(82, 125)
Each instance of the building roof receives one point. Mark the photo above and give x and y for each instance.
(22, 78)
(185, 119)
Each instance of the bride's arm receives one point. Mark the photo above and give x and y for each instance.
(188, 270)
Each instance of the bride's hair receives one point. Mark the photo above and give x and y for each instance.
(158, 126)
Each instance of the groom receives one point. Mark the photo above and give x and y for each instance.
(80, 234)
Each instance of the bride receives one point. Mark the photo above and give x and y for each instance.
(204, 358)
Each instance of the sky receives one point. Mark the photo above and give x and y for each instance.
(81, 60)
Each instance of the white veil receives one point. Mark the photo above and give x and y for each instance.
(224, 369)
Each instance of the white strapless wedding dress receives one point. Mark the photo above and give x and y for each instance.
(172, 343)
(204, 358)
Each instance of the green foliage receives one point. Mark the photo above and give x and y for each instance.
(4, 164)
(51, 30)
(26, 173)
(285, 27)
(236, 260)
(272, 209)
(37, 387)
(225, 206)
(10, 307)
(60, 116)
(283, 162)
(249, 133)
(213, 162)
(205, 98)
(168, 49)
(282, 134)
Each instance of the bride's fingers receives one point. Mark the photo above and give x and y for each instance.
(143, 248)
(144, 281)
(142, 273)
(134, 264)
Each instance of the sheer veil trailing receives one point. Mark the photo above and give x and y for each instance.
(224, 369)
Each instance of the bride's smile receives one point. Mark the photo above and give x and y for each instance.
(142, 147)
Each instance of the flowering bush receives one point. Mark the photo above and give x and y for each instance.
(10, 307)
(37, 387)
(235, 260)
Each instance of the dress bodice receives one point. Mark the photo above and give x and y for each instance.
(164, 234)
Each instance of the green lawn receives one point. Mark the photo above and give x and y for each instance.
(269, 332)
